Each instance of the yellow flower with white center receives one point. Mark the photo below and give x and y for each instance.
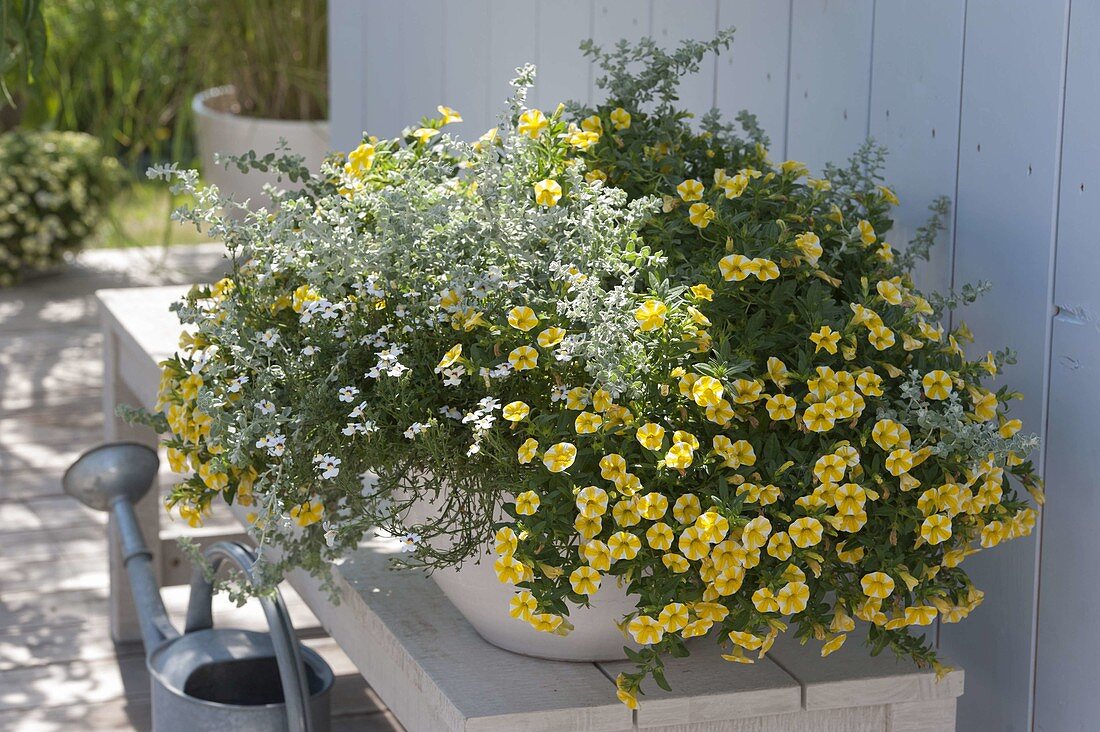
(1009, 427)
(818, 418)
(545, 622)
(735, 267)
(765, 269)
(523, 358)
(624, 545)
(305, 514)
(849, 499)
(746, 391)
(584, 580)
(756, 532)
(592, 501)
(792, 598)
(687, 508)
(652, 506)
(587, 527)
(587, 423)
(526, 451)
(888, 434)
(527, 503)
(592, 124)
(650, 315)
(515, 411)
(937, 384)
(692, 545)
(810, 245)
(779, 546)
(646, 630)
(560, 457)
(597, 554)
(700, 214)
(729, 582)
(620, 118)
(712, 526)
(625, 513)
(740, 453)
(509, 570)
(659, 536)
(702, 292)
(522, 318)
(866, 232)
(707, 391)
(675, 563)
(651, 436)
(551, 337)
(532, 123)
(993, 534)
(936, 529)
(715, 612)
(690, 190)
(833, 644)
(727, 554)
(889, 292)
(880, 337)
(679, 456)
(612, 467)
(424, 134)
(869, 383)
(825, 339)
(735, 185)
(547, 192)
(830, 468)
(899, 461)
(522, 605)
(920, 615)
(805, 532)
(877, 585)
(673, 617)
(506, 541)
(764, 600)
(697, 628)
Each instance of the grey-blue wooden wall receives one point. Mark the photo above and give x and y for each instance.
(995, 103)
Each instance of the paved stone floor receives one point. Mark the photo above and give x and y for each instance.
(59, 669)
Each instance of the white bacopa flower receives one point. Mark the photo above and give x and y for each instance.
(269, 338)
(330, 534)
(415, 429)
(237, 384)
(310, 351)
(348, 393)
(327, 465)
(409, 542)
(266, 407)
(453, 376)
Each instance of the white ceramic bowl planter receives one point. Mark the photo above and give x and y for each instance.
(220, 131)
(482, 599)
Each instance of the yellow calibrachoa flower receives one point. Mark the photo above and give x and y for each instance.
(506, 541)
(526, 451)
(692, 545)
(424, 134)
(833, 644)
(624, 545)
(307, 513)
(551, 337)
(679, 456)
(560, 457)
(584, 580)
(597, 554)
(702, 292)
(509, 570)
(527, 503)
(547, 192)
(937, 384)
(545, 622)
(818, 417)
(587, 527)
(620, 118)
(592, 501)
(690, 190)
(734, 186)
(651, 436)
(889, 292)
(936, 529)
(650, 315)
(810, 245)
(659, 536)
(450, 116)
(869, 383)
(532, 123)
(675, 563)
(779, 546)
(587, 422)
(592, 124)
(707, 391)
(920, 615)
(792, 598)
(755, 533)
(735, 267)
(522, 605)
(652, 506)
(522, 318)
(645, 630)
(765, 269)
(1009, 427)
(700, 214)
(515, 411)
(888, 434)
(805, 532)
(450, 357)
(830, 468)
(877, 585)
(825, 339)
(523, 358)
(880, 337)
(866, 232)
(899, 461)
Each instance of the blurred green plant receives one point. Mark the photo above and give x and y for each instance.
(22, 44)
(275, 53)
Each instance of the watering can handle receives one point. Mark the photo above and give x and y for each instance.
(288, 653)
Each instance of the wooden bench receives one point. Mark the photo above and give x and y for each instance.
(435, 673)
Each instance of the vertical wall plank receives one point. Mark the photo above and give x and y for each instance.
(384, 109)
(513, 33)
(347, 91)
(678, 20)
(830, 79)
(1067, 648)
(1008, 165)
(614, 20)
(564, 74)
(752, 74)
(915, 87)
(421, 61)
(466, 65)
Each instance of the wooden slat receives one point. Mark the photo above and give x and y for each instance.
(679, 20)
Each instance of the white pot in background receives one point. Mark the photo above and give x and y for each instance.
(483, 600)
(220, 131)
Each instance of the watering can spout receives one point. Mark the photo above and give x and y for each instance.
(112, 478)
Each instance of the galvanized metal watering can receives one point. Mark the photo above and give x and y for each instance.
(209, 678)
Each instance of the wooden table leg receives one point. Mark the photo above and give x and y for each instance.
(122, 612)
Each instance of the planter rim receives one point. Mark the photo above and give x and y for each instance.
(201, 108)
